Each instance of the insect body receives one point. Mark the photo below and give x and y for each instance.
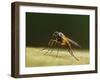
(58, 38)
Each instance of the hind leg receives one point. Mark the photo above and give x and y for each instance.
(71, 51)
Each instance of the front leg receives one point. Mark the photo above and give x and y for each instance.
(51, 43)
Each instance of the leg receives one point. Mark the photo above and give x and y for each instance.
(57, 49)
(55, 43)
(70, 50)
(51, 44)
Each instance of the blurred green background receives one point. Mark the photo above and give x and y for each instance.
(40, 26)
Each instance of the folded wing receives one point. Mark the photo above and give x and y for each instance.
(73, 42)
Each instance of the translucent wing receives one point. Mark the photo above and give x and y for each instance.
(73, 42)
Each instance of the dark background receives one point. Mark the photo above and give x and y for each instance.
(40, 26)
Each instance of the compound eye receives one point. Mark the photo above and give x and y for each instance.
(56, 33)
(60, 34)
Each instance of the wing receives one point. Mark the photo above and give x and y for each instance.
(73, 42)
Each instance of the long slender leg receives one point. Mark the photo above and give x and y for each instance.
(51, 42)
(55, 42)
(58, 49)
(74, 55)
(71, 51)
(49, 48)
